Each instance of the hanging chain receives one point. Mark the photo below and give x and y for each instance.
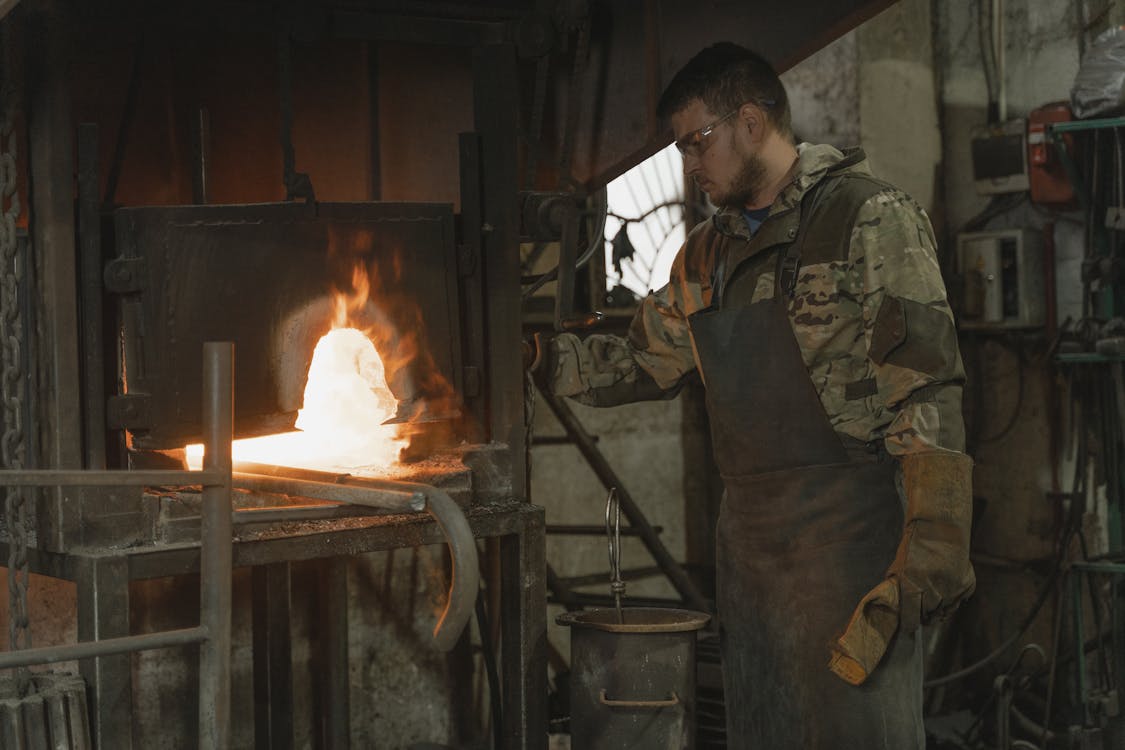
(13, 442)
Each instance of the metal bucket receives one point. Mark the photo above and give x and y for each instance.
(632, 684)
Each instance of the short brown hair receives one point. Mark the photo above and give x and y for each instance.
(725, 76)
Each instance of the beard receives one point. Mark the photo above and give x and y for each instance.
(745, 186)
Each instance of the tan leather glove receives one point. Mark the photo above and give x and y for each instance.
(931, 573)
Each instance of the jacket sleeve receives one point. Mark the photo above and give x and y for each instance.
(909, 327)
(649, 363)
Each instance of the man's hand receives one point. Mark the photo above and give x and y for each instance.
(931, 573)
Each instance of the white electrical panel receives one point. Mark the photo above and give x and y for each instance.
(1002, 273)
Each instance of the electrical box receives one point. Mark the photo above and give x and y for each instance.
(1000, 158)
(1002, 272)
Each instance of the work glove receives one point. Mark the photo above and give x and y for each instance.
(931, 573)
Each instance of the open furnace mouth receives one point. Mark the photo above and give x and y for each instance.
(350, 419)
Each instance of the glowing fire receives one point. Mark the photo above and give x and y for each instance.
(346, 402)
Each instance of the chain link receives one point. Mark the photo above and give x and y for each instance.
(13, 442)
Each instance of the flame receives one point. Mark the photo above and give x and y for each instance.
(340, 425)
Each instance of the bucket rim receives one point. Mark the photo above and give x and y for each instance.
(681, 620)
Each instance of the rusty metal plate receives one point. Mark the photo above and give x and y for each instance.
(263, 276)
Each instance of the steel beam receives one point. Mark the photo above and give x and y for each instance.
(495, 105)
(523, 645)
(273, 657)
(51, 166)
(90, 247)
(103, 612)
(336, 729)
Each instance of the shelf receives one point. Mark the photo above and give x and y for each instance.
(1079, 125)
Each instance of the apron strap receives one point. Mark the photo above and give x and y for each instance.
(789, 261)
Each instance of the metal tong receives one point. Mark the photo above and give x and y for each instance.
(613, 536)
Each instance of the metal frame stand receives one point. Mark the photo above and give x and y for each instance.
(104, 642)
(518, 526)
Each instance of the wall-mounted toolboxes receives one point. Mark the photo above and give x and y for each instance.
(1000, 158)
(1002, 273)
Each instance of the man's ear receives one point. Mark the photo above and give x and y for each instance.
(751, 117)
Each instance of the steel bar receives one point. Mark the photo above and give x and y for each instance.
(272, 657)
(103, 614)
(397, 500)
(465, 573)
(496, 119)
(50, 130)
(637, 520)
(216, 548)
(80, 478)
(523, 647)
(90, 273)
(336, 730)
(473, 336)
(105, 647)
(299, 513)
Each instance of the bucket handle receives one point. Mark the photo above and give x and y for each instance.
(659, 703)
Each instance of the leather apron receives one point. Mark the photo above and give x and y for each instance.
(806, 528)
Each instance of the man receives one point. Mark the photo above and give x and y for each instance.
(813, 308)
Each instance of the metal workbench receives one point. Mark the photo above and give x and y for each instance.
(102, 577)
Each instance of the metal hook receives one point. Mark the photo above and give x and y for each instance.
(613, 535)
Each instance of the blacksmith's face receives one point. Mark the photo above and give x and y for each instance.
(719, 154)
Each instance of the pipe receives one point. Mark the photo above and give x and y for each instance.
(104, 647)
(216, 551)
(465, 573)
(106, 478)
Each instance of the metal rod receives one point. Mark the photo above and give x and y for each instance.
(297, 513)
(466, 569)
(637, 520)
(80, 478)
(216, 548)
(393, 499)
(105, 647)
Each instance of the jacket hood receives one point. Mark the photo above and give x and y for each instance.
(814, 163)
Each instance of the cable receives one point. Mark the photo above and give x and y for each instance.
(1040, 600)
(597, 241)
(1003, 433)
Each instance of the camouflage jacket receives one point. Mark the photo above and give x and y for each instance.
(869, 313)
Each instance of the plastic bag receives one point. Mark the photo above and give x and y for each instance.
(1099, 87)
